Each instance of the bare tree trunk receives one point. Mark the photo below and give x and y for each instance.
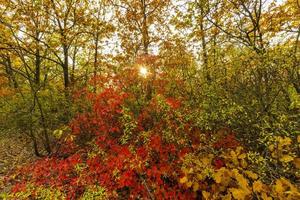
(43, 122)
(37, 60)
(65, 67)
(37, 67)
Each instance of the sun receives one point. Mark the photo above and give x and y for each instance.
(144, 71)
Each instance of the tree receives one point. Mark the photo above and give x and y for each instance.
(65, 18)
(99, 27)
(141, 21)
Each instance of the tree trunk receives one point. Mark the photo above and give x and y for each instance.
(43, 122)
(8, 68)
(96, 62)
(66, 67)
(145, 34)
(35, 145)
(204, 48)
(37, 67)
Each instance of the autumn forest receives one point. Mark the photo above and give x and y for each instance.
(150, 99)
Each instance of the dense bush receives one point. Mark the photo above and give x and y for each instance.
(115, 153)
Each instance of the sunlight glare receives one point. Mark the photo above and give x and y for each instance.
(143, 71)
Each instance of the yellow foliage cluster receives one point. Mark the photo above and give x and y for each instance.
(198, 171)
(236, 180)
(282, 150)
(235, 158)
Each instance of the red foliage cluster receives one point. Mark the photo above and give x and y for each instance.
(173, 103)
(104, 116)
(146, 170)
(226, 140)
(149, 167)
(54, 172)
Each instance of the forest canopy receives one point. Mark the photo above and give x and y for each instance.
(150, 99)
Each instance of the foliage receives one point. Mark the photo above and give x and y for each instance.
(99, 163)
(150, 99)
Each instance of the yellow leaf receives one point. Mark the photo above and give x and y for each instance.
(183, 180)
(244, 164)
(242, 181)
(70, 138)
(234, 157)
(242, 156)
(218, 175)
(279, 187)
(292, 188)
(257, 186)
(278, 138)
(206, 161)
(298, 138)
(195, 187)
(223, 176)
(205, 194)
(286, 158)
(185, 170)
(233, 154)
(189, 184)
(264, 196)
(239, 194)
(200, 177)
(227, 197)
(286, 141)
(251, 174)
(239, 149)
